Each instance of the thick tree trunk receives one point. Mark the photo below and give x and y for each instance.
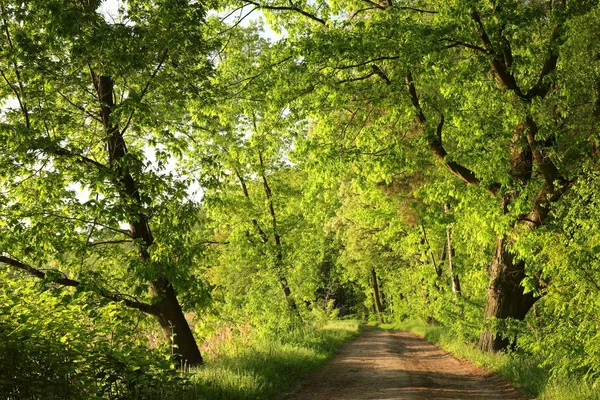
(174, 325)
(167, 308)
(505, 297)
(376, 295)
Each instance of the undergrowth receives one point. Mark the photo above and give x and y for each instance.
(522, 370)
(263, 368)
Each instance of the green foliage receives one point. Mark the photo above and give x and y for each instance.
(58, 344)
(563, 327)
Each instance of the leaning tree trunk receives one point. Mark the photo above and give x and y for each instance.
(453, 275)
(505, 298)
(167, 309)
(174, 325)
(376, 295)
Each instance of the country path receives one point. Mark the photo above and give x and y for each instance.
(384, 365)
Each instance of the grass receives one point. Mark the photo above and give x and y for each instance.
(264, 369)
(523, 371)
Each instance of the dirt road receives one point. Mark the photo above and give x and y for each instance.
(386, 365)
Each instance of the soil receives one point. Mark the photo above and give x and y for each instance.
(399, 365)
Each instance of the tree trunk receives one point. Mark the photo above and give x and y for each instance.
(453, 275)
(438, 270)
(505, 297)
(168, 310)
(277, 237)
(174, 325)
(376, 295)
(288, 294)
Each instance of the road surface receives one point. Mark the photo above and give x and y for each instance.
(385, 365)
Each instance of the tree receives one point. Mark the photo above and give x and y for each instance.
(88, 99)
(401, 69)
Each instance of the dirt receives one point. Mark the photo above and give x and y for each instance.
(399, 365)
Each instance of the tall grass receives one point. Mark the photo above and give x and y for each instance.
(264, 368)
(523, 371)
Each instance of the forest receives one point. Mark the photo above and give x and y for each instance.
(204, 199)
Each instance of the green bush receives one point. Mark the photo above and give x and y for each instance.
(56, 344)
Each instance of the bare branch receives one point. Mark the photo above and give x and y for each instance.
(146, 87)
(368, 62)
(292, 7)
(106, 242)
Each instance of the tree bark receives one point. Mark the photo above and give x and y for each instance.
(169, 312)
(277, 237)
(505, 298)
(436, 267)
(376, 295)
(174, 325)
(453, 275)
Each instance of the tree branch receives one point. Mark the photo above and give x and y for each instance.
(67, 217)
(64, 281)
(146, 87)
(261, 233)
(376, 5)
(541, 88)
(455, 43)
(368, 62)
(360, 78)
(80, 108)
(60, 151)
(435, 141)
(20, 98)
(381, 74)
(292, 7)
(419, 10)
(92, 244)
(497, 62)
(545, 164)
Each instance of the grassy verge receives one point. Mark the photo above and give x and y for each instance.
(264, 369)
(522, 371)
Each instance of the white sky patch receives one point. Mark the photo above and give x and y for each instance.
(111, 11)
(249, 17)
(82, 193)
(194, 192)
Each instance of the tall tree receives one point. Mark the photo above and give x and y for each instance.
(510, 131)
(89, 97)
